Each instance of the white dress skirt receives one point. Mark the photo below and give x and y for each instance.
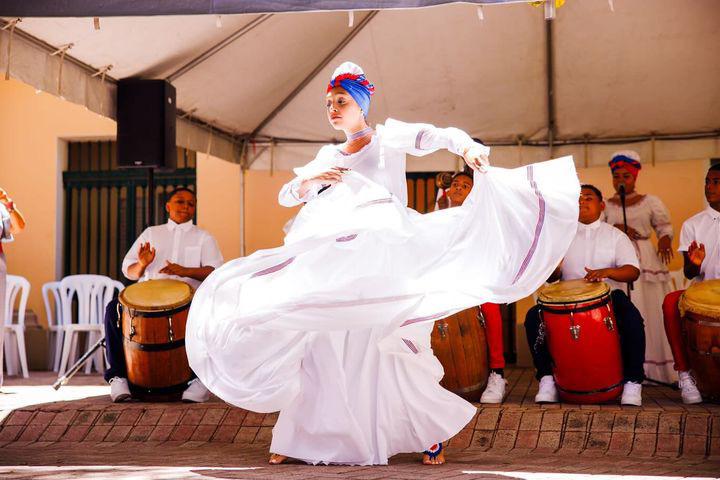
(647, 216)
(333, 328)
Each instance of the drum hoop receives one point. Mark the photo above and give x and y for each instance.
(160, 390)
(153, 347)
(156, 313)
(589, 392)
(702, 323)
(547, 306)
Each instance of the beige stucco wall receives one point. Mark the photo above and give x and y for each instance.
(34, 129)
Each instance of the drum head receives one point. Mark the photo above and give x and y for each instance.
(572, 291)
(154, 295)
(703, 298)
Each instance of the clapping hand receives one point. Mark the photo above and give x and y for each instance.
(146, 254)
(475, 159)
(696, 253)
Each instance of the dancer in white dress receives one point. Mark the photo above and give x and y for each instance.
(646, 214)
(333, 328)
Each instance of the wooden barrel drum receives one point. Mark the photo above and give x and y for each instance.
(154, 314)
(459, 342)
(700, 308)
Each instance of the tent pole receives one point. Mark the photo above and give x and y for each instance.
(549, 68)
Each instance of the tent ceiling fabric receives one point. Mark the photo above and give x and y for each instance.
(649, 66)
(125, 8)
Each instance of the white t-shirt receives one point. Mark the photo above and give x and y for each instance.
(598, 245)
(704, 228)
(184, 244)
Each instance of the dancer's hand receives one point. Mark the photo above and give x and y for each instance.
(476, 159)
(696, 253)
(329, 177)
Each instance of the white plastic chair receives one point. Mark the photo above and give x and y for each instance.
(16, 285)
(678, 280)
(53, 310)
(93, 294)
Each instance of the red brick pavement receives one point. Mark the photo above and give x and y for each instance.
(663, 432)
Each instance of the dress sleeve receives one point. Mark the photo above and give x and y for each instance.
(660, 218)
(132, 255)
(422, 138)
(210, 255)
(289, 196)
(625, 252)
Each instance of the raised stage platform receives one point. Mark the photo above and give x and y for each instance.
(79, 426)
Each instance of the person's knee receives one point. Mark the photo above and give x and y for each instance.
(532, 317)
(670, 303)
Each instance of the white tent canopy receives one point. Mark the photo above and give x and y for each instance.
(649, 68)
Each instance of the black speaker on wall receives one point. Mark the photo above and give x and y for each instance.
(146, 123)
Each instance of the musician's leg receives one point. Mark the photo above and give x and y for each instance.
(673, 329)
(547, 392)
(632, 346)
(495, 390)
(631, 328)
(116, 373)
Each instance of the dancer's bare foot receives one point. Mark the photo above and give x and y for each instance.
(276, 459)
(434, 456)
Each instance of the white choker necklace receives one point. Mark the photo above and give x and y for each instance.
(361, 133)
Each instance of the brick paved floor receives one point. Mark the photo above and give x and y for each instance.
(41, 429)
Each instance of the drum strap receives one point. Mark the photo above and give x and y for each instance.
(153, 347)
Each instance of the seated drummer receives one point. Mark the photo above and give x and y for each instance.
(178, 250)
(700, 244)
(598, 253)
(458, 191)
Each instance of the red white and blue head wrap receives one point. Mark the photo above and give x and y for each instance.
(352, 79)
(627, 159)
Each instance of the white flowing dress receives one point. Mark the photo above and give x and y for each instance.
(647, 216)
(333, 328)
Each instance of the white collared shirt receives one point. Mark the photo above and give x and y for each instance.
(184, 244)
(704, 228)
(598, 245)
(5, 225)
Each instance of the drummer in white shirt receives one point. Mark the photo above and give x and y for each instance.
(700, 245)
(599, 252)
(178, 250)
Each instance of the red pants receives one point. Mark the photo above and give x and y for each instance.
(673, 330)
(493, 333)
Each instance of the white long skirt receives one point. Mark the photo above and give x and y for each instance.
(333, 328)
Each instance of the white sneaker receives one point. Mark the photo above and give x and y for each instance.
(547, 393)
(632, 394)
(119, 389)
(495, 389)
(195, 392)
(688, 391)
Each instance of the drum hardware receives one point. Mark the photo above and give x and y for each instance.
(609, 323)
(575, 331)
(481, 317)
(171, 335)
(443, 329)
